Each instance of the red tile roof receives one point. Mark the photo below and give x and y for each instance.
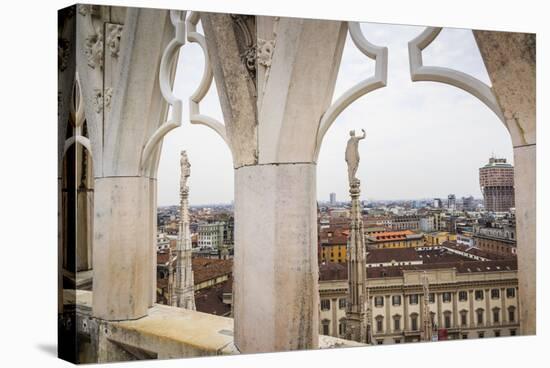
(207, 268)
(210, 300)
(338, 271)
(392, 254)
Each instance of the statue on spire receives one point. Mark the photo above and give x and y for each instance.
(184, 296)
(352, 155)
(357, 309)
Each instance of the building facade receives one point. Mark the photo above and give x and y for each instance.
(496, 179)
(473, 300)
(438, 238)
(405, 223)
(451, 202)
(332, 199)
(210, 235)
(395, 239)
(496, 240)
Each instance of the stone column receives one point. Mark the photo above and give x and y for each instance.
(510, 59)
(488, 314)
(503, 306)
(471, 312)
(275, 79)
(439, 311)
(389, 317)
(406, 314)
(118, 54)
(275, 270)
(335, 322)
(121, 255)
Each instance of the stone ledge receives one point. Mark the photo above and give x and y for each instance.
(166, 332)
(174, 333)
(330, 342)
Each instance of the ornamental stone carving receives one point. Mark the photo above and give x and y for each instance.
(93, 48)
(249, 58)
(265, 52)
(88, 9)
(97, 100)
(107, 97)
(114, 32)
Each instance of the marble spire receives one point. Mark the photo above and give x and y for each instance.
(426, 315)
(184, 295)
(357, 313)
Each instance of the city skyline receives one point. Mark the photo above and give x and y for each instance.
(427, 152)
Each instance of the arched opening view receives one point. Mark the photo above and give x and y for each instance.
(239, 184)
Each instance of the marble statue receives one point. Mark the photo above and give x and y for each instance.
(352, 155)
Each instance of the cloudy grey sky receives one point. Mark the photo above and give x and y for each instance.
(424, 139)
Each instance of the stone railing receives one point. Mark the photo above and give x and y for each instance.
(166, 332)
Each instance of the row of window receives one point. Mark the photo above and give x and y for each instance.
(480, 334)
(447, 316)
(325, 304)
(446, 297)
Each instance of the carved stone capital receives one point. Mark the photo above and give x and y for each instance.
(88, 9)
(97, 100)
(93, 49)
(113, 32)
(265, 52)
(107, 97)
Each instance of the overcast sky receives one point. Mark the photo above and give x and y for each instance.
(423, 140)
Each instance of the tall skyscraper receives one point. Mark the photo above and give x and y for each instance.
(332, 199)
(451, 202)
(496, 179)
(437, 203)
(468, 203)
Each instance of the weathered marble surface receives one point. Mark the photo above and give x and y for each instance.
(510, 59)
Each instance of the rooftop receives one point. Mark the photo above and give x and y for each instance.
(385, 255)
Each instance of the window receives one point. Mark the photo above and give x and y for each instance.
(496, 315)
(396, 300)
(379, 324)
(495, 293)
(479, 294)
(511, 314)
(513, 332)
(481, 334)
(462, 296)
(511, 293)
(464, 336)
(397, 323)
(325, 304)
(413, 299)
(379, 301)
(446, 297)
(325, 323)
(479, 313)
(342, 327)
(463, 318)
(397, 341)
(342, 303)
(447, 320)
(431, 297)
(379, 342)
(414, 322)
(497, 333)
